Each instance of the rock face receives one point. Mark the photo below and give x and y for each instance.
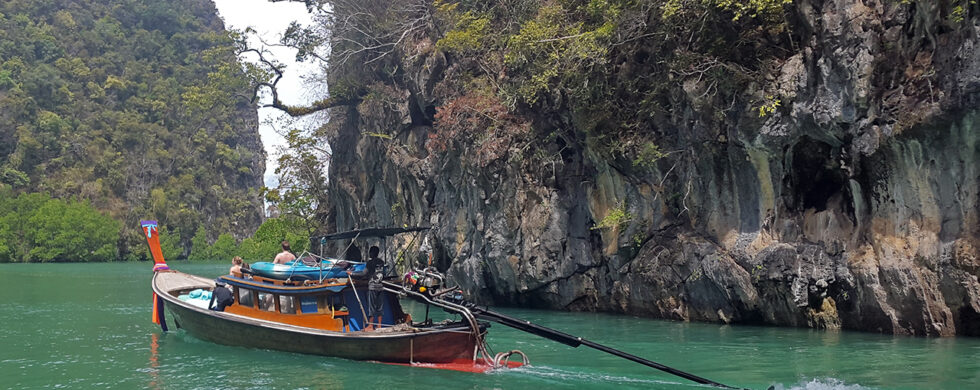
(854, 205)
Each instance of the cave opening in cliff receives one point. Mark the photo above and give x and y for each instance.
(815, 176)
(421, 116)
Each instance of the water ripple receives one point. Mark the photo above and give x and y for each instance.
(820, 384)
(587, 377)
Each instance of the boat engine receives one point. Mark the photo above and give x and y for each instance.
(427, 281)
(429, 286)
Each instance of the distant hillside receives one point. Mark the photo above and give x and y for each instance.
(138, 107)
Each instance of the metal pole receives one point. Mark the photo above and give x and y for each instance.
(363, 313)
(574, 341)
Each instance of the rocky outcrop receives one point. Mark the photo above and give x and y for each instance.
(853, 205)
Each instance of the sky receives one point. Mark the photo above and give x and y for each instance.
(269, 20)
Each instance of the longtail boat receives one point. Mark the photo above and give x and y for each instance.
(323, 314)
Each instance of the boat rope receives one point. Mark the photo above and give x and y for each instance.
(501, 358)
(299, 259)
(351, 243)
(354, 289)
(292, 268)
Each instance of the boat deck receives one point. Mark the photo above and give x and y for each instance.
(173, 281)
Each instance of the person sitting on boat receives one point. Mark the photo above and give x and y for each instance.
(221, 297)
(375, 274)
(284, 256)
(237, 264)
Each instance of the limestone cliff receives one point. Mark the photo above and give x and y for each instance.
(837, 190)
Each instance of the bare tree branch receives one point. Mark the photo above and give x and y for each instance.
(294, 111)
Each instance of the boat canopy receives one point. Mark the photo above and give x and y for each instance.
(374, 232)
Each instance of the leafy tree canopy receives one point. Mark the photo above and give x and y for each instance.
(140, 108)
(36, 227)
(263, 246)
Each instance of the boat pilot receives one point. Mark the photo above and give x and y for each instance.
(375, 274)
(221, 296)
(285, 255)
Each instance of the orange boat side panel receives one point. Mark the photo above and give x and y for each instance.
(314, 320)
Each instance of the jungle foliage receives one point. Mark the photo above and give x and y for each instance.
(262, 246)
(137, 109)
(36, 227)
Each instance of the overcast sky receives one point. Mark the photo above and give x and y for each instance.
(269, 20)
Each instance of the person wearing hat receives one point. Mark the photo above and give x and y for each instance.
(221, 296)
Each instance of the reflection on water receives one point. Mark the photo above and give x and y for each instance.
(92, 329)
(153, 369)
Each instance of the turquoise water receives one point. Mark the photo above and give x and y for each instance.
(88, 326)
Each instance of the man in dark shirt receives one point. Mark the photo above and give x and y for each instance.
(221, 297)
(375, 274)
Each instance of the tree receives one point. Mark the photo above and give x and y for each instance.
(5, 234)
(302, 177)
(265, 244)
(170, 243)
(200, 250)
(17, 230)
(72, 231)
(224, 248)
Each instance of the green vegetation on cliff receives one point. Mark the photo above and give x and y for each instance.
(610, 71)
(138, 109)
(614, 66)
(35, 227)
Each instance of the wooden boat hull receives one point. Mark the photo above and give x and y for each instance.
(427, 345)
